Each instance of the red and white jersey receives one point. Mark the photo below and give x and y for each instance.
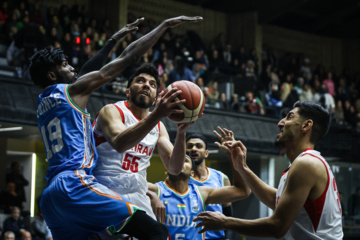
(125, 172)
(320, 218)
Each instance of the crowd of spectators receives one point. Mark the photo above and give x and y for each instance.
(271, 91)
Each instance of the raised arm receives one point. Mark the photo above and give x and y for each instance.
(99, 59)
(86, 84)
(173, 156)
(265, 193)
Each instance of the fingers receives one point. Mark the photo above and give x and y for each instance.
(192, 19)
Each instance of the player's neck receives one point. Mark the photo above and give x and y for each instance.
(201, 171)
(295, 149)
(139, 113)
(179, 185)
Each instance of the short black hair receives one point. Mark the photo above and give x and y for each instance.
(197, 135)
(319, 115)
(44, 61)
(147, 68)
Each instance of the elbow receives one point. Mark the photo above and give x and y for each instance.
(279, 229)
(174, 172)
(247, 192)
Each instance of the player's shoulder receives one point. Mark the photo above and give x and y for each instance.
(307, 163)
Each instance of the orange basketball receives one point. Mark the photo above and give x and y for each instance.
(194, 105)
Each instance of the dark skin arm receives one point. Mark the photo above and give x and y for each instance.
(86, 84)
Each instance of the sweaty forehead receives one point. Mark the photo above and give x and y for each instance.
(146, 76)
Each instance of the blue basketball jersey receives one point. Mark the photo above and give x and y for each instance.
(214, 179)
(181, 209)
(66, 131)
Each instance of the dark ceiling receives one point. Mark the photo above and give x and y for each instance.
(333, 18)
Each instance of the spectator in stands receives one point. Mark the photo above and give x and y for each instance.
(224, 102)
(15, 223)
(325, 99)
(306, 69)
(286, 87)
(180, 72)
(215, 61)
(39, 225)
(212, 94)
(199, 70)
(265, 76)
(339, 116)
(26, 235)
(16, 176)
(273, 99)
(343, 91)
(10, 199)
(236, 105)
(349, 113)
(9, 235)
(227, 55)
(253, 104)
(299, 85)
(306, 94)
(330, 84)
(250, 70)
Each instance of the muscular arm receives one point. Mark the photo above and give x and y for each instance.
(86, 84)
(305, 181)
(173, 156)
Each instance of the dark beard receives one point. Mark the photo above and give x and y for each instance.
(141, 103)
(61, 79)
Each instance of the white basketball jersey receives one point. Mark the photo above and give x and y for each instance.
(320, 218)
(125, 172)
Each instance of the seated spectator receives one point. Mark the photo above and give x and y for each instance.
(212, 94)
(250, 70)
(39, 225)
(339, 116)
(325, 99)
(253, 105)
(26, 235)
(15, 223)
(273, 99)
(198, 70)
(299, 85)
(223, 102)
(9, 235)
(236, 105)
(330, 84)
(306, 94)
(180, 72)
(10, 198)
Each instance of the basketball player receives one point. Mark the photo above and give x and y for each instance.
(196, 146)
(127, 134)
(183, 201)
(306, 202)
(74, 204)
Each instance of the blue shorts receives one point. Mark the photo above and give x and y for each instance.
(74, 204)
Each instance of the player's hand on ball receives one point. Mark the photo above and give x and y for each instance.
(166, 103)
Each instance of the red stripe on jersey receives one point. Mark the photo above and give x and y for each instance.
(127, 105)
(315, 207)
(121, 113)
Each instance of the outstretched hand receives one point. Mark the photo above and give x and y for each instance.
(128, 28)
(225, 135)
(210, 221)
(176, 21)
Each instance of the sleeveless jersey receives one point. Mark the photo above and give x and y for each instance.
(181, 209)
(66, 132)
(214, 179)
(126, 172)
(320, 218)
